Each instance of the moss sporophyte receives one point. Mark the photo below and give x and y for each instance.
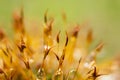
(51, 57)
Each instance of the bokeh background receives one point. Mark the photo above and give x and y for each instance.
(103, 16)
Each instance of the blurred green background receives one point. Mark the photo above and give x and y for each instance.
(102, 15)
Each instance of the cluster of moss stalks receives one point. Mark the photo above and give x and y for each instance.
(44, 57)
